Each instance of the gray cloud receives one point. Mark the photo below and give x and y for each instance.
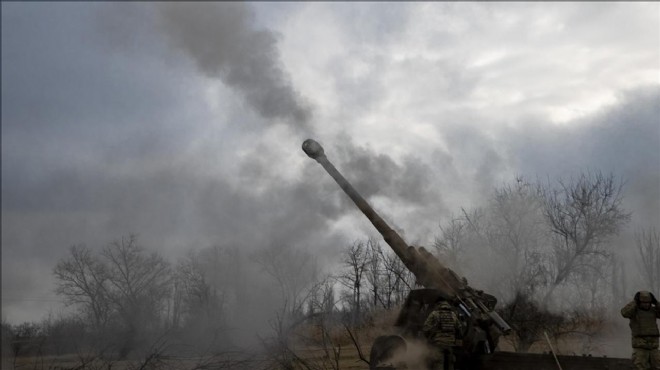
(371, 23)
(225, 44)
(623, 139)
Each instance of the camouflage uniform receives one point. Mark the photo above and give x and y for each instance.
(441, 328)
(642, 313)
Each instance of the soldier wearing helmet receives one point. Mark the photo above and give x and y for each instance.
(442, 328)
(643, 312)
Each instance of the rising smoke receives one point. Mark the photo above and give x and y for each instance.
(222, 40)
(224, 43)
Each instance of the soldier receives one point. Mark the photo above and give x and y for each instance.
(643, 312)
(442, 329)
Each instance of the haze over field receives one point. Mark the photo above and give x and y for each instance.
(182, 123)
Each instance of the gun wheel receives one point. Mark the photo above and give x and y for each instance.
(385, 353)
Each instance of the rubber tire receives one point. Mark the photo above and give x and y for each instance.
(384, 348)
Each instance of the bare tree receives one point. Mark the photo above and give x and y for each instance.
(294, 270)
(356, 261)
(64, 334)
(373, 273)
(175, 306)
(648, 247)
(83, 280)
(508, 236)
(465, 245)
(322, 298)
(516, 232)
(195, 285)
(140, 285)
(531, 242)
(387, 279)
(201, 310)
(7, 353)
(398, 279)
(583, 214)
(450, 245)
(125, 286)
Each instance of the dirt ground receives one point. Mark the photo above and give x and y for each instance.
(614, 342)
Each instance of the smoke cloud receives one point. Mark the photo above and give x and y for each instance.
(222, 40)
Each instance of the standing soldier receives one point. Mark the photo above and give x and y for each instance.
(442, 329)
(643, 312)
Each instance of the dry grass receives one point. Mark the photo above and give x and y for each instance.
(614, 342)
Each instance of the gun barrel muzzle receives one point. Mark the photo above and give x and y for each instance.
(312, 148)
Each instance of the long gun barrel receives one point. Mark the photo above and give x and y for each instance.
(427, 269)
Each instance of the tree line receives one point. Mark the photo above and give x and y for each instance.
(126, 298)
(551, 253)
(545, 250)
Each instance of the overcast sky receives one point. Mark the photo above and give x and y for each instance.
(182, 123)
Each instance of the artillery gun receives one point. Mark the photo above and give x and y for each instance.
(482, 326)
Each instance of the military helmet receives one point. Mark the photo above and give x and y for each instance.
(443, 305)
(644, 297)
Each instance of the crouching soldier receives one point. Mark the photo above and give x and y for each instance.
(442, 328)
(643, 312)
